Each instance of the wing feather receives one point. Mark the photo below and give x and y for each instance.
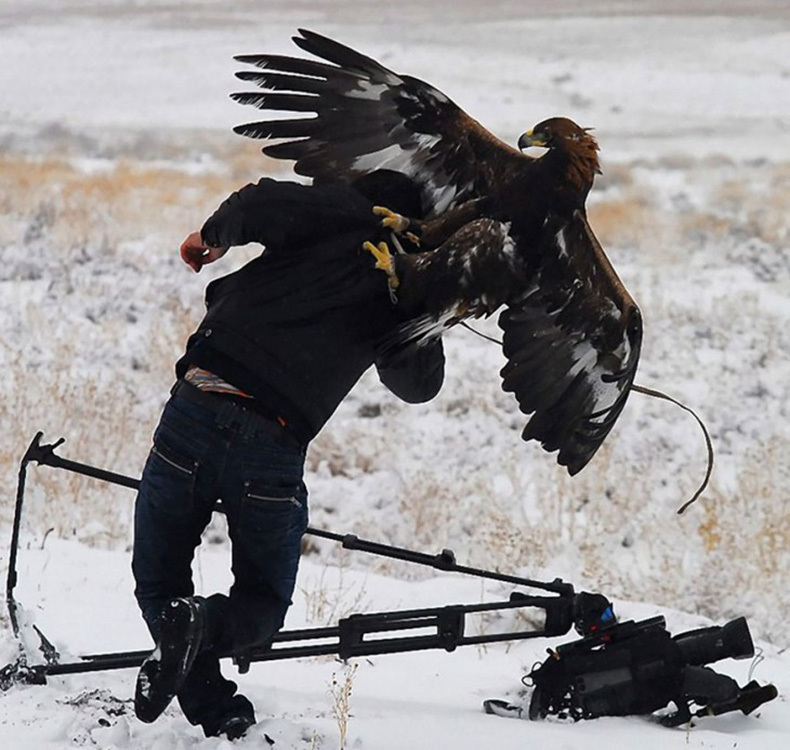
(572, 345)
(300, 128)
(369, 117)
(276, 102)
(297, 66)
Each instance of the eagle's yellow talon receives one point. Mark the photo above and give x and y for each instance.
(384, 262)
(382, 255)
(391, 220)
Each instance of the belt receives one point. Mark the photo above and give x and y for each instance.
(229, 411)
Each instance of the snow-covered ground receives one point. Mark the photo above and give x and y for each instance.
(115, 142)
(429, 699)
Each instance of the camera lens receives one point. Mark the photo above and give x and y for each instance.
(708, 645)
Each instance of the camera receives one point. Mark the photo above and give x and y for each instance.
(619, 669)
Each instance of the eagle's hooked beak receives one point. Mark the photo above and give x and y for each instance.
(531, 139)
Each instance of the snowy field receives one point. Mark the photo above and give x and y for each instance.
(115, 142)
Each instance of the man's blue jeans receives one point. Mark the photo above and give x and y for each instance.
(198, 457)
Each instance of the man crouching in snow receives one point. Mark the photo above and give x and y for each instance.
(283, 341)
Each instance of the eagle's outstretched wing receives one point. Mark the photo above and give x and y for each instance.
(572, 344)
(367, 117)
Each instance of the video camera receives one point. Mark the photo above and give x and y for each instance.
(618, 669)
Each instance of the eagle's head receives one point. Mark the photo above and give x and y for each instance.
(562, 135)
(558, 132)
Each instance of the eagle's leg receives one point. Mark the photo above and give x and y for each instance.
(396, 223)
(381, 253)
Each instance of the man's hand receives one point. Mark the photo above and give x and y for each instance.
(196, 254)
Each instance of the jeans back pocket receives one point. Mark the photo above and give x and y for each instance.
(275, 511)
(170, 477)
(265, 493)
(174, 460)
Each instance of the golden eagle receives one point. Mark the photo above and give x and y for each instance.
(502, 228)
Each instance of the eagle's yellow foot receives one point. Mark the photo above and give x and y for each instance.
(384, 262)
(397, 223)
(383, 258)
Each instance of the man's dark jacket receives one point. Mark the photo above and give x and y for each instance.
(297, 326)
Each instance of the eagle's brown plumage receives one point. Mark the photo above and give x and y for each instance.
(503, 228)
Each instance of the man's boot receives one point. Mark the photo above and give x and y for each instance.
(181, 631)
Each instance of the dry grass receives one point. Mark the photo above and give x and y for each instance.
(717, 199)
(330, 452)
(624, 221)
(341, 689)
(82, 202)
(331, 598)
(761, 206)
